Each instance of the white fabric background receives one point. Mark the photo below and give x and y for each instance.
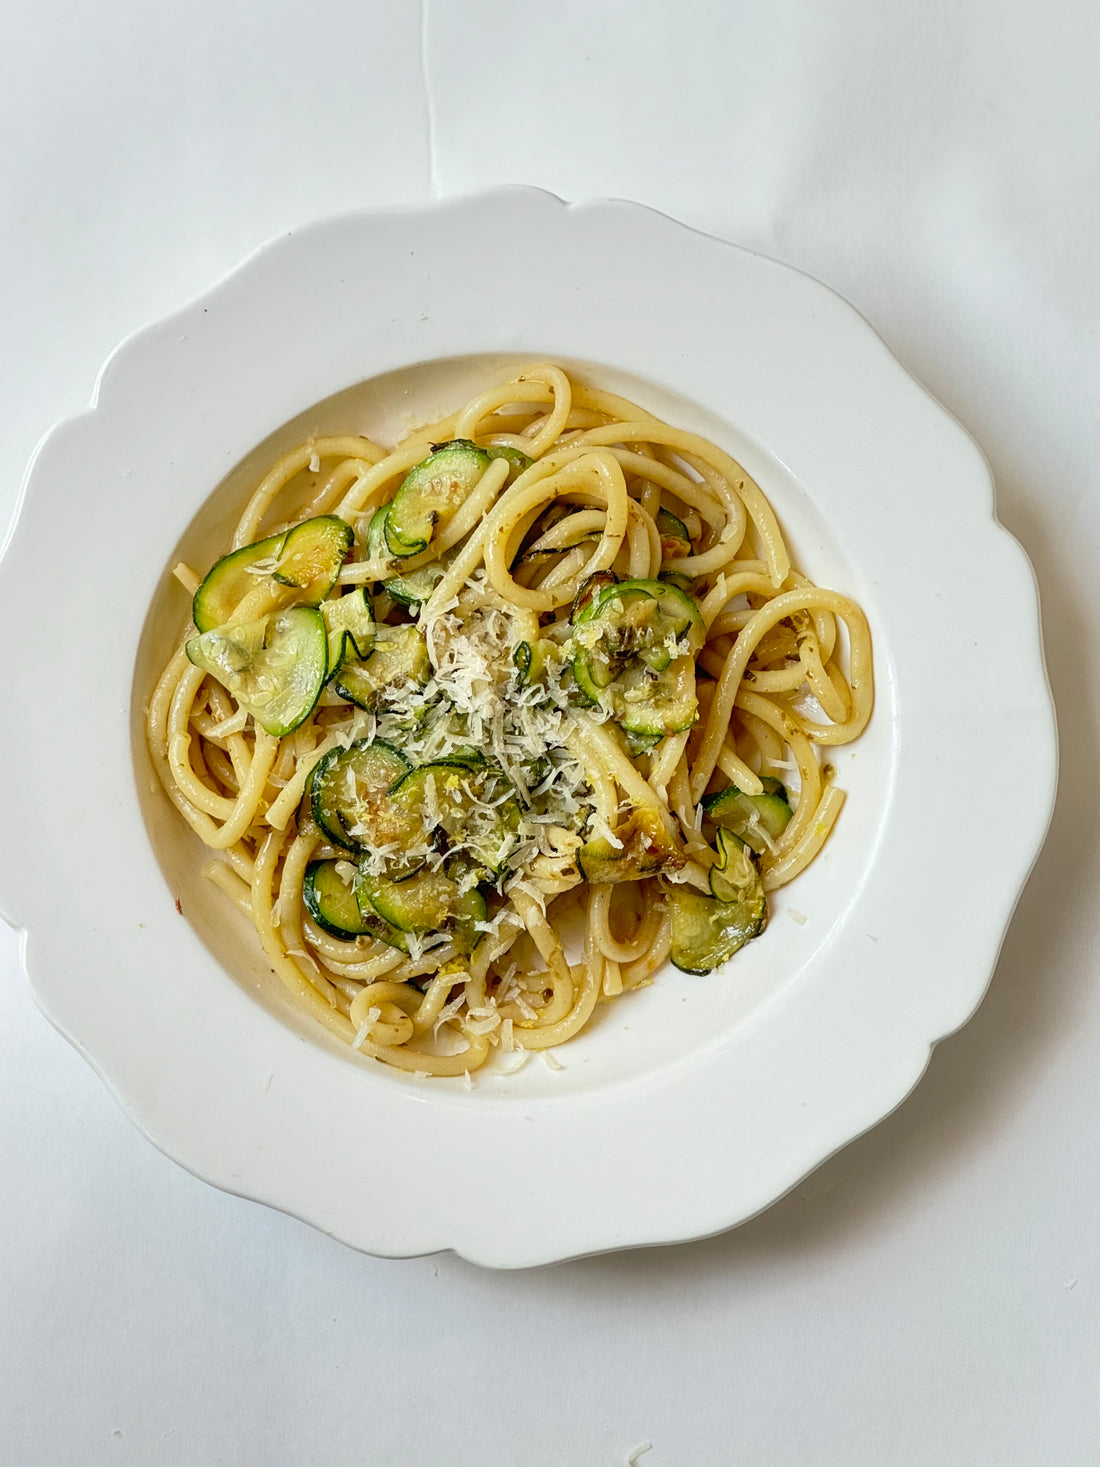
(931, 1295)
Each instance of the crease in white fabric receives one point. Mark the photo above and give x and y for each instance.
(429, 102)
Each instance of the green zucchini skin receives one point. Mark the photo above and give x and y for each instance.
(349, 621)
(417, 586)
(675, 540)
(311, 556)
(707, 932)
(228, 582)
(378, 549)
(518, 461)
(532, 660)
(274, 667)
(305, 559)
(432, 493)
(634, 642)
(348, 796)
(399, 654)
(588, 591)
(423, 902)
(331, 902)
(747, 815)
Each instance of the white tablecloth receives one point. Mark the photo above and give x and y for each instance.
(931, 1295)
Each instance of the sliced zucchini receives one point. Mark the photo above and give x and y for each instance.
(641, 743)
(629, 649)
(400, 655)
(757, 819)
(349, 800)
(470, 909)
(648, 705)
(378, 926)
(446, 776)
(675, 540)
(418, 585)
(230, 579)
(629, 644)
(589, 590)
(305, 559)
(707, 932)
(645, 849)
(651, 705)
(431, 494)
(311, 556)
(733, 876)
(423, 902)
(640, 619)
(378, 549)
(591, 675)
(517, 460)
(471, 804)
(674, 578)
(331, 901)
(531, 660)
(349, 621)
(275, 667)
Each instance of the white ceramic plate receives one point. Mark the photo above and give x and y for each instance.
(695, 1103)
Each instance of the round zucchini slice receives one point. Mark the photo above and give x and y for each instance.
(348, 796)
(633, 650)
(751, 817)
(651, 705)
(734, 877)
(471, 803)
(229, 581)
(642, 616)
(311, 556)
(275, 668)
(675, 540)
(432, 493)
(400, 655)
(707, 932)
(331, 901)
(423, 902)
(349, 621)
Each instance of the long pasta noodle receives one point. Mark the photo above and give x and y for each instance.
(608, 736)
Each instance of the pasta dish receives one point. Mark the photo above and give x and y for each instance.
(543, 664)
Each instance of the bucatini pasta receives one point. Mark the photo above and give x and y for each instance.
(546, 660)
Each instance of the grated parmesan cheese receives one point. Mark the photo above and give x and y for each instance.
(514, 1062)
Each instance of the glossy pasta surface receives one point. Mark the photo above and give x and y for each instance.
(602, 685)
